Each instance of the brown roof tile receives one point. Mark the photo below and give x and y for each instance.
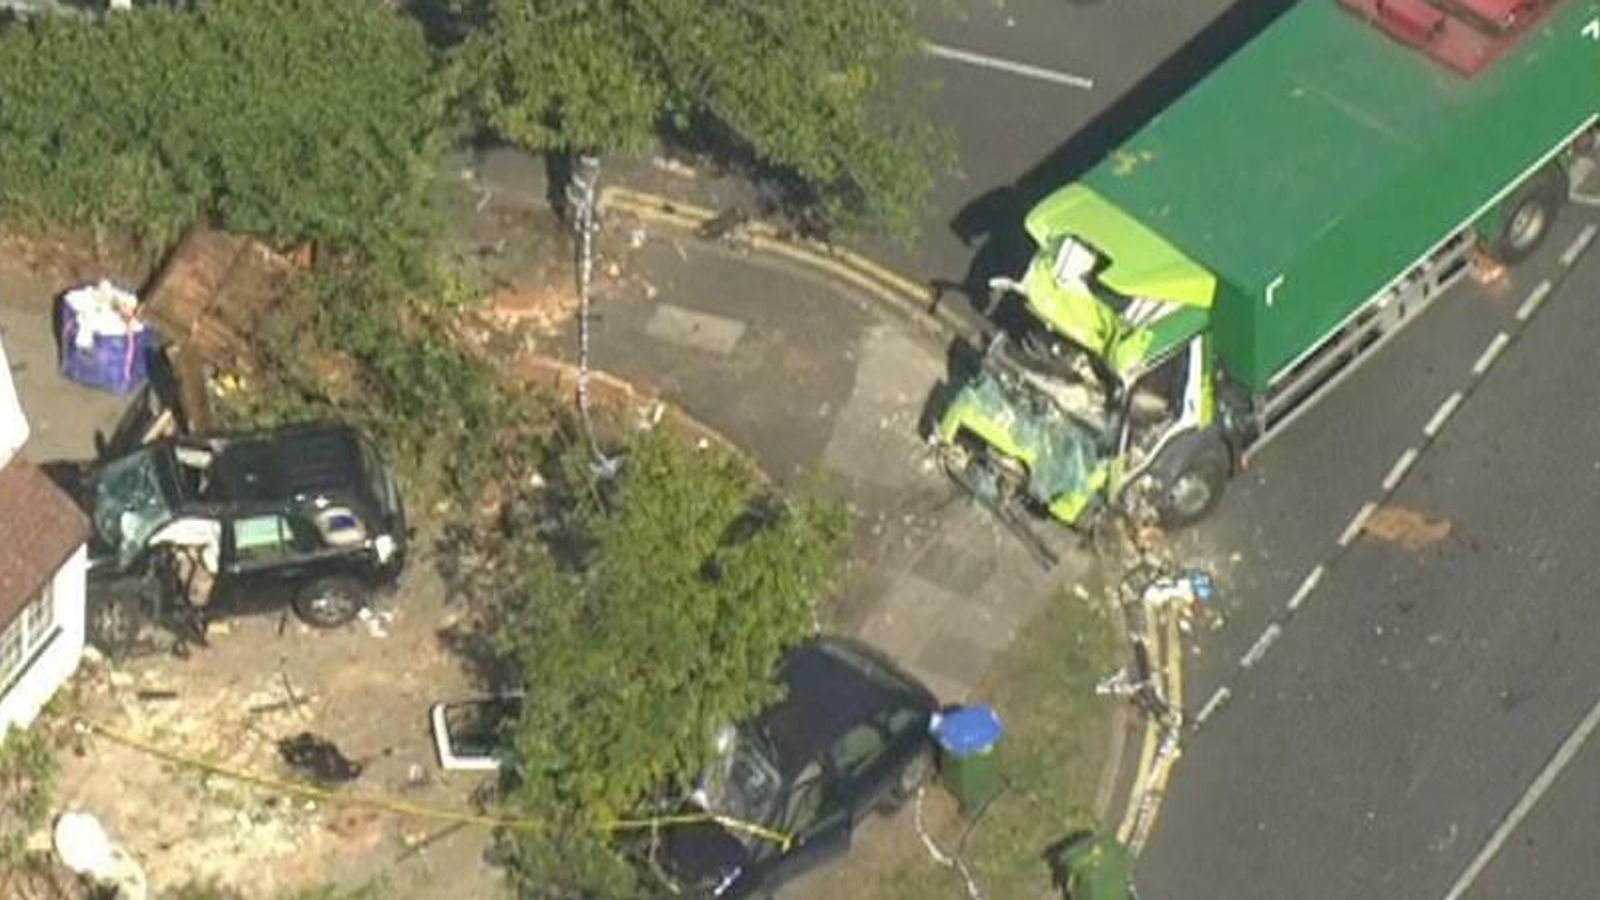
(40, 527)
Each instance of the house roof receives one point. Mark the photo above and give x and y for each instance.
(40, 527)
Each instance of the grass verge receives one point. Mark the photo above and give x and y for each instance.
(1054, 750)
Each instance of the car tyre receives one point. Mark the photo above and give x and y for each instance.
(330, 601)
(114, 623)
(916, 773)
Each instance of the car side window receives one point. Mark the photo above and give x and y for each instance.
(261, 538)
(805, 799)
(857, 750)
(903, 719)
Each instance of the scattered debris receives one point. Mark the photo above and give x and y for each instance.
(544, 306)
(377, 622)
(1406, 528)
(728, 224)
(84, 847)
(636, 238)
(318, 758)
(673, 167)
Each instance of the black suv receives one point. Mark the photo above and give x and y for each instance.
(306, 515)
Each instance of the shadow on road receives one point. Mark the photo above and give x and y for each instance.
(993, 220)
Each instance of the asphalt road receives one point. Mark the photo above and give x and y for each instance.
(1019, 136)
(1418, 692)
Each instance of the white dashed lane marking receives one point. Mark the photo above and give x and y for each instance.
(1536, 297)
(1490, 353)
(1399, 469)
(1579, 244)
(1443, 413)
(1313, 578)
(1262, 645)
(1357, 522)
(1010, 67)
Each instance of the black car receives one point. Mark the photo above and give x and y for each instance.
(850, 737)
(306, 515)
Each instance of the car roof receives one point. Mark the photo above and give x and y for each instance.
(832, 686)
(293, 463)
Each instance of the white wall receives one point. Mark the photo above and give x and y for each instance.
(20, 705)
(13, 425)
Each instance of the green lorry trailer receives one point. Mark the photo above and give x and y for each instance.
(1210, 279)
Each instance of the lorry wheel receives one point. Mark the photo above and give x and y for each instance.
(1192, 493)
(1529, 215)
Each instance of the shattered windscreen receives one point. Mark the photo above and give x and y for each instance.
(1066, 451)
(132, 498)
(741, 783)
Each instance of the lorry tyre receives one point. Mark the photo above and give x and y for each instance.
(1528, 216)
(1194, 490)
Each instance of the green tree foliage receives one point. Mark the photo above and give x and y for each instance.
(28, 770)
(662, 616)
(296, 119)
(803, 86)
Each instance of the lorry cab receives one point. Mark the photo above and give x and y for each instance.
(1109, 285)
(1109, 388)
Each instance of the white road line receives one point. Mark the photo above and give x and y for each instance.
(1215, 703)
(1005, 65)
(1441, 414)
(1547, 776)
(1357, 522)
(1399, 469)
(1313, 578)
(1487, 357)
(1525, 311)
(1262, 645)
(1580, 244)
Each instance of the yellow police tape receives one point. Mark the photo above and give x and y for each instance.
(401, 807)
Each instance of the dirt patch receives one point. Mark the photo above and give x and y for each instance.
(262, 680)
(75, 259)
(543, 306)
(1406, 528)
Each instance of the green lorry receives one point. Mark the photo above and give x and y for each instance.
(1211, 278)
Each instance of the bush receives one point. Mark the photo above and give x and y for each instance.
(292, 119)
(28, 770)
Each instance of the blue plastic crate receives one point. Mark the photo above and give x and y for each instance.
(117, 363)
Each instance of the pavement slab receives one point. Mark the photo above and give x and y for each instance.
(695, 330)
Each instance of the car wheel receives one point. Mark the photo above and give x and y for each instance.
(330, 602)
(114, 624)
(916, 774)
